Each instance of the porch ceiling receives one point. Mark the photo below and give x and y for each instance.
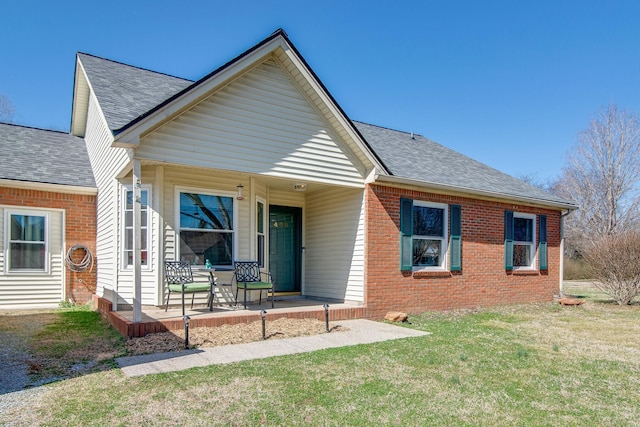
(274, 183)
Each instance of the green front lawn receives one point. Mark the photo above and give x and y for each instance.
(539, 364)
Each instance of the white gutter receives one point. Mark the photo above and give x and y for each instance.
(458, 189)
(43, 186)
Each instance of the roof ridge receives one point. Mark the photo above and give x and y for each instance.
(36, 128)
(134, 66)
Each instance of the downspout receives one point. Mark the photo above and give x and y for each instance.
(561, 284)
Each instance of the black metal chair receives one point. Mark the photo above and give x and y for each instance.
(248, 276)
(179, 278)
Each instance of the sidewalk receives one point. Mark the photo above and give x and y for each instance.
(360, 331)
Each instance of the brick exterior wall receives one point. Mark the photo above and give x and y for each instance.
(483, 280)
(80, 227)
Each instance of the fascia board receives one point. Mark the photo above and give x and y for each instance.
(42, 186)
(474, 192)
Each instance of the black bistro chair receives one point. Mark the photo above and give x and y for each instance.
(248, 276)
(179, 278)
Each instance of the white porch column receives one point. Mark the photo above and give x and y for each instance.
(137, 236)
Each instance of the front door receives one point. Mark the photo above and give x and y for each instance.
(285, 247)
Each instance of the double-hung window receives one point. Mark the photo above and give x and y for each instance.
(429, 234)
(520, 240)
(27, 241)
(425, 235)
(206, 228)
(524, 237)
(127, 226)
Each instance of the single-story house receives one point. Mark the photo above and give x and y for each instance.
(257, 160)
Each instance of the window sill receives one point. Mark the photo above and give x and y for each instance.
(525, 272)
(431, 273)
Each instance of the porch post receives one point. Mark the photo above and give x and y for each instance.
(137, 236)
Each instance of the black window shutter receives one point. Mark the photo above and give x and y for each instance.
(406, 234)
(455, 237)
(542, 245)
(508, 240)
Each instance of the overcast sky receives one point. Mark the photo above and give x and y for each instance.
(509, 83)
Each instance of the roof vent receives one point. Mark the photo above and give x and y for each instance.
(412, 136)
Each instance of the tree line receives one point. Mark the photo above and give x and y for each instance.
(601, 175)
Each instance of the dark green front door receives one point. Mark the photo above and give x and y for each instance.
(285, 247)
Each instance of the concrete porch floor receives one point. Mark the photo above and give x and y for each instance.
(155, 319)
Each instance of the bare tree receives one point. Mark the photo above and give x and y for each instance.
(6, 109)
(602, 175)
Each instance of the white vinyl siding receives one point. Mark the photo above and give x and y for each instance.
(262, 124)
(26, 290)
(334, 258)
(106, 161)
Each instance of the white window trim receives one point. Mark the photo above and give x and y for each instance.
(123, 236)
(445, 241)
(208, 192)
(533, 260)
(7, 240)
(265, 214)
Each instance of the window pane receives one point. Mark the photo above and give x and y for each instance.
(144, 195)
(128, 238)
(522, 229)
(260, 217)
(129, 202)
(206, 212)
(128, 218)
(428, 221)
(27, 228)
(521, 255)
(198, 246)
(143, 239)
(261, 250)
(426, 252)
(27, 256)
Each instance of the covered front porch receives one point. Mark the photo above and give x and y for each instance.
(155, 319)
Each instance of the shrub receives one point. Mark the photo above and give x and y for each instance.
(614, 263)
(575, 269)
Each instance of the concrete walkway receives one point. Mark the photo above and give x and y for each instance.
(360, 331)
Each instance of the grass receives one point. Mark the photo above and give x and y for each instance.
(538, 364)
(71, 341)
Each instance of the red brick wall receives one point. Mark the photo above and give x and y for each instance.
(80, 211)
(483, 280)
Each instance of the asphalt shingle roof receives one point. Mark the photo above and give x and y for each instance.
(415, 157)
(37, 155)
(126, 92)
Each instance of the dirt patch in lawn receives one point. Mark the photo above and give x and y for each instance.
(228, 334)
